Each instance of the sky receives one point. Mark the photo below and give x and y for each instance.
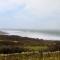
(30, 14)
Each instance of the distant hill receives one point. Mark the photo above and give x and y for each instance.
(2, 33)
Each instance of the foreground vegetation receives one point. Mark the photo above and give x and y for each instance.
(32, 56)
(23, 48)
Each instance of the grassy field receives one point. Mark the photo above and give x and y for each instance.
(28, 48)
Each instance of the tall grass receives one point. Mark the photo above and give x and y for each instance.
(31, 56)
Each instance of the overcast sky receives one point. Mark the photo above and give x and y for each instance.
(30, 14)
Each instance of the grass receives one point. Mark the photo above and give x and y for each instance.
(36, 48)
(32, 56)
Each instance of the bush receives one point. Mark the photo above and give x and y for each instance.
(9, 49)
